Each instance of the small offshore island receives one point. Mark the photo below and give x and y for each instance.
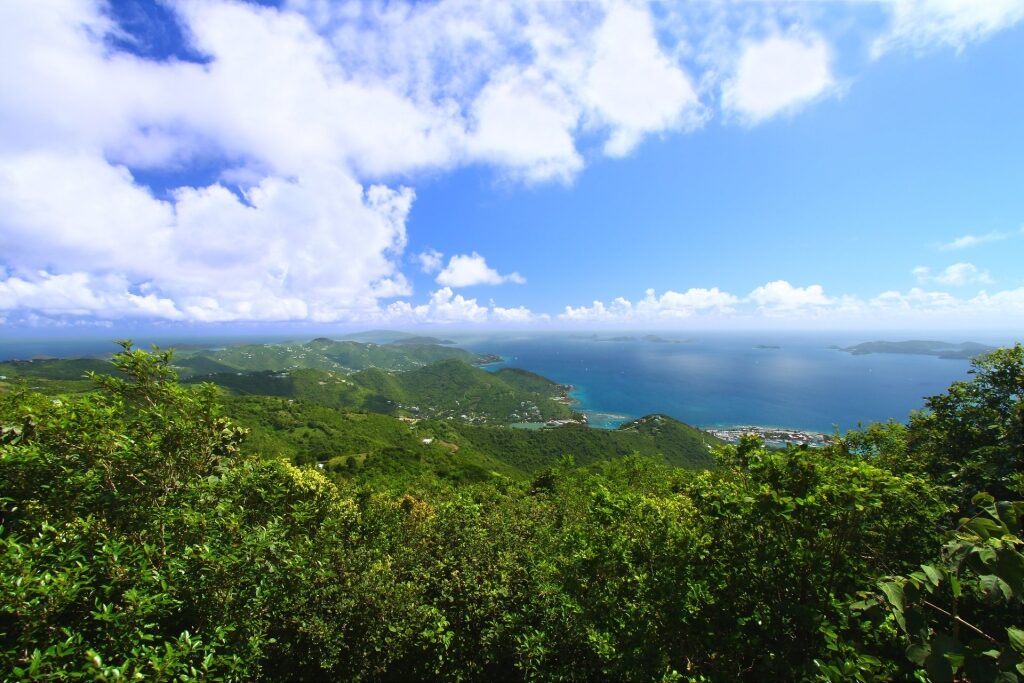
(917, 347)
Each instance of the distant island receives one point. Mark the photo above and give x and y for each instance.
(652, 338)
(391, 337)
(963, 350)
(767, 346)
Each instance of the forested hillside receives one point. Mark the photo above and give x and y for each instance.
(445, 390)
(322, 354)
(146, 534)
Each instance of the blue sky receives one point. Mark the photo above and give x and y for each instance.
(545, 165)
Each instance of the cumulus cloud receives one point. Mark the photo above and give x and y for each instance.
(670, 305)
(784, 303)
(780, 297)
(468, 270)
(430, 261)
(632, 86)
(446, 307)
(920, 24)
(937, 307)
(1010, 301)
(295, 105)
(526, 124)
(519, 314)
(957, 274)
(967, 241)
(778, 74)
(218, 256)
(82, 294)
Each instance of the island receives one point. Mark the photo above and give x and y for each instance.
(652, 338)
(917, 347)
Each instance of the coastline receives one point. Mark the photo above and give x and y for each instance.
(775, 437)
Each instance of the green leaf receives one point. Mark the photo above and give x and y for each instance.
(985, 528)
(947, 656)
(917, 653)
(1010, 568)
(982, 499)
(893, 593)
(939, 669)
(934, 575)
(995, 587)
(1016, 637)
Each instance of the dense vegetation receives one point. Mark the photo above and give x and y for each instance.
(358, 445)
(322, 354)
(143, 536)
(448, 389)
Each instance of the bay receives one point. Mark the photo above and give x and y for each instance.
(727, 379)
(711, 380)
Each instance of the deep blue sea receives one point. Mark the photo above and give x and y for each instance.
(719, 380)
(705, 379)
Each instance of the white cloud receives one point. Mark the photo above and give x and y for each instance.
(296, 107)
(670, 305)
(918, 24)
(916, 299)
(967, 241)
(526, 124)
(778, 74)
(1010, 301)
(780, 297)
(632, 85)
(446, 307)
(673, 304)
(215, 255)
(430, 261)
(469, 270)
(519, 314)
(81, 294)
(957, 274)
(299, 106)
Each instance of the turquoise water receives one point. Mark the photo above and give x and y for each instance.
(719, 380)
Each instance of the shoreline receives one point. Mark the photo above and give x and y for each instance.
(772, 436)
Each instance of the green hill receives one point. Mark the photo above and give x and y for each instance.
(679, 443)
(52, 375)
(449, 389)
(320, 353)
(674, 443)
(389, 450)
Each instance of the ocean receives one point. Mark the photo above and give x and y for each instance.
(710, 380)
(723, 380)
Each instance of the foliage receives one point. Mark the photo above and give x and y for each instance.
(141, 536)
(972, 437)
(321, 354)
(444, 390)
(961, 613)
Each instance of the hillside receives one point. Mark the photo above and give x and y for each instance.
(230, 537)
(52, 375)
(674, 443)
(321, 354)
(393, 451)
(449, 389)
